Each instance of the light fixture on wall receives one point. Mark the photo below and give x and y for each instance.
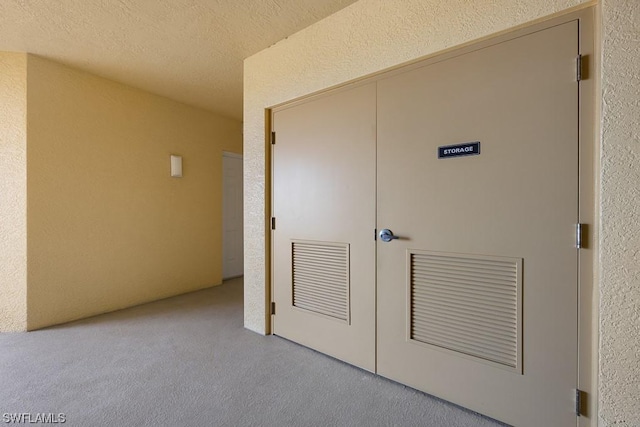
(176, 166)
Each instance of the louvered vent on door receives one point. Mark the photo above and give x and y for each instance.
(321, 278)
(469, 304)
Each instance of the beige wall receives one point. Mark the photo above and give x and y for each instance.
(620, 215)
(372, 35)
(13, 188)
(107, 225)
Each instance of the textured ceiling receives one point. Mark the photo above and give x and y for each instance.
(187, 50)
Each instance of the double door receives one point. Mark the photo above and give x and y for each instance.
(424, 226)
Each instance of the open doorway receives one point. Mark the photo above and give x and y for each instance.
(232, 227)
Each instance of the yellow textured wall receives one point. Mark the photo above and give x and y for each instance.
(372, 35)
(107, 225)
(13, 187)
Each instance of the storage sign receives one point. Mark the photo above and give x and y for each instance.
(468, 149)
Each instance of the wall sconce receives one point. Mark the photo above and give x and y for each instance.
(176, 166)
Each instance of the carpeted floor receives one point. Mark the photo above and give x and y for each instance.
(187, 361)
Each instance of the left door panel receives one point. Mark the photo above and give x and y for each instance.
(324, 207)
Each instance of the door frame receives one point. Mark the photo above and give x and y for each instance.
(589, 107)
(240, 157)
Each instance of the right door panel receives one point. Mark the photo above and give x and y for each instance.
(477, 300)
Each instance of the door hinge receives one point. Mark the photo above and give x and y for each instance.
(579, 235)
(273, 308)
(580, 398)
(579, 68)
(273, 222)
(273, 138)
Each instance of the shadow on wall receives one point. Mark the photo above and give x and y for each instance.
(225, 299)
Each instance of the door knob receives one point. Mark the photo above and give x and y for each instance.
(386, 235)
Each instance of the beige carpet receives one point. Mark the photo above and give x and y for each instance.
(187, 361)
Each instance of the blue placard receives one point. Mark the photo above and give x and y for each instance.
(468, 149)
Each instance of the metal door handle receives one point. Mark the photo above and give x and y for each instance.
(386, 235)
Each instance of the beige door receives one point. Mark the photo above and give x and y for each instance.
(477, 299)
(323, 202)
